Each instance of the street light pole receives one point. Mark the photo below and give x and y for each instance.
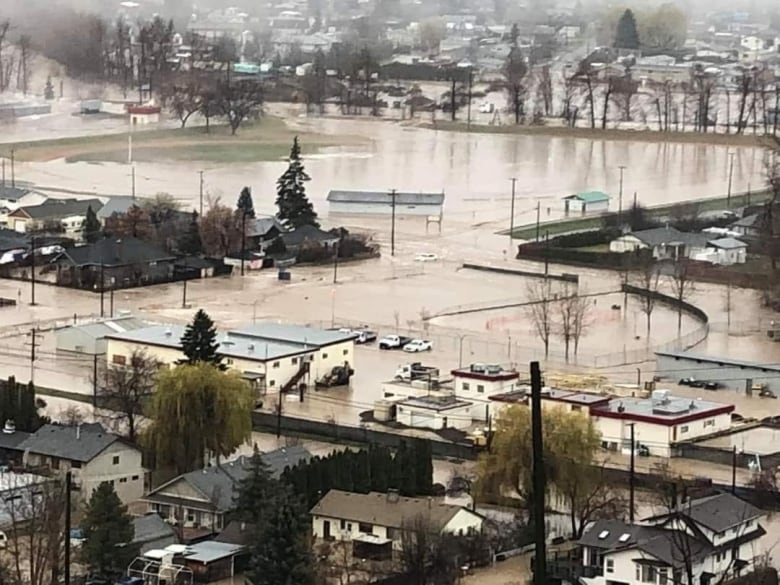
(243, 240)
(392, 223)
(200, 211)
(13, 169)
(731, 176)
(620, 195)
(512, 211)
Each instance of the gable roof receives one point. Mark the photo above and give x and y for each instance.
(219, 483)
(74, 442)
(590, 196)
(728, 243)
(117, 252)
(384, 197)
(261, 226)
(717, 513)
(151, 527)
(746, 221)
(117, 204)
(12, 193)
(388, 510)
(58, 208)
(307, 233)
(297, 334)
(670, 235)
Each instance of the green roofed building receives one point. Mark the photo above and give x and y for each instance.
(586, 202)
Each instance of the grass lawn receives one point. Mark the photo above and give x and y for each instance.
(268, 139)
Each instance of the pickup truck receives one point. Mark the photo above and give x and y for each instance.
(416, 345)
(364, 335)
(393, 341)
(416, 371)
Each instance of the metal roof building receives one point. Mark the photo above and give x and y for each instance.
(731, 373)
(381, 203)
(90, 338)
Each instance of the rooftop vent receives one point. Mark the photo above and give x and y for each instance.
(168, 332)
(9, 428)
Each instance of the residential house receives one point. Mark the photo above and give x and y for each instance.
(152, 532)
(118, 204)
(55, 215)
(113, 263)
(12, 198)
(748, 226)
(377, 520)
(261, 232)
(666, 243)
(199, 501)
(712, 539)
(727, 251)
(658, 422)
(309, 236)
(586, 202)
(92, 454)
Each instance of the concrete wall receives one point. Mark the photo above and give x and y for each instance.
(733, 377)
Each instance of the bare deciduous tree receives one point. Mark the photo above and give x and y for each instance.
(122, 391)
(682, 285)
(647, 278)
(238, 101)
(541, 311)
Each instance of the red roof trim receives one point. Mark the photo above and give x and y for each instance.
(662, 420)
(572, 400)
(485, 377)
(135, 109)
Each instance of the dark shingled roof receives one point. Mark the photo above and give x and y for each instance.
(10, 441)
(307, 233)
(150, 528)
(69, 442)
(670, 235)
(261, 226)
(718, 512)
(219, 482)
(117, 252)
(59, 208)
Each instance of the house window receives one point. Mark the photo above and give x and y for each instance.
(683, 429)
(576, 408)
(229, 361)
(646, 573)
(55, 463)
(324, 356)
(294, 361)
(663, 577)
(465, 385)
(116, 460)
(135, 478)
(610, 565)
(390, 533)
(343, 524)
(272, 383)
(345, 352)
(365, 528)
(480, 388)
(276, 364)
(122, 480)
(709, 423)
(75, 464)
(118, 359)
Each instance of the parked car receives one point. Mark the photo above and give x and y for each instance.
(426, 257)
(416, 345)
(365, 335)
(393, 341)
(692, 382)
(712, 385)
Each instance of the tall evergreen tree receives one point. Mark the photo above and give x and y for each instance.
(91, 226)
(626, 35)
(245, 204)
(189, 242)
(280, 552)
(423, 467)
(255, 492)
(107, 530)
(295, 209)
(199, 342)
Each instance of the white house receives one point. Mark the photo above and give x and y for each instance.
(659, 421)
(586, 202)
(714, 539)
(667, 243)
(379, 519)
(729, 251)
(272, 355)
(92, 454)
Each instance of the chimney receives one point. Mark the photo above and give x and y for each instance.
(392, 496)
(78, 431)
(10, 427)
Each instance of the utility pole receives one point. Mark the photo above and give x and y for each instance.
(279, 417)
(392, 222)
(243, 240)
(111, 301)
(631, 478)
(32, 271)
(94, 380)
(546, 253)
(538, 492)
(471, 85)
(13, 169)
(3, 172)
(731, 176)
(538, 211)
(336, 263)
(102, 288)
(33, 345)
(68, 489)
(734, 470)
(201, 194)
(132, 174)
(512, 211)
(620, 195)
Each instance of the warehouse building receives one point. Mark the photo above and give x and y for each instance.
(90, 338)
(732, 374)
(382, 203)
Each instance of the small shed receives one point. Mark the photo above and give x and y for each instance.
(211, 561)
(434, 412)
(142, 115)
(729, 251)
(381, 203)
(586, 202)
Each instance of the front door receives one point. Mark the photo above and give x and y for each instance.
(326, 529)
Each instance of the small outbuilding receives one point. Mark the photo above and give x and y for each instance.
(434, 412)
(383, 202)
(586, 202)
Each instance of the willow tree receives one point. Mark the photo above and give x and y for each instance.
(571, 447)
(197, 411)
